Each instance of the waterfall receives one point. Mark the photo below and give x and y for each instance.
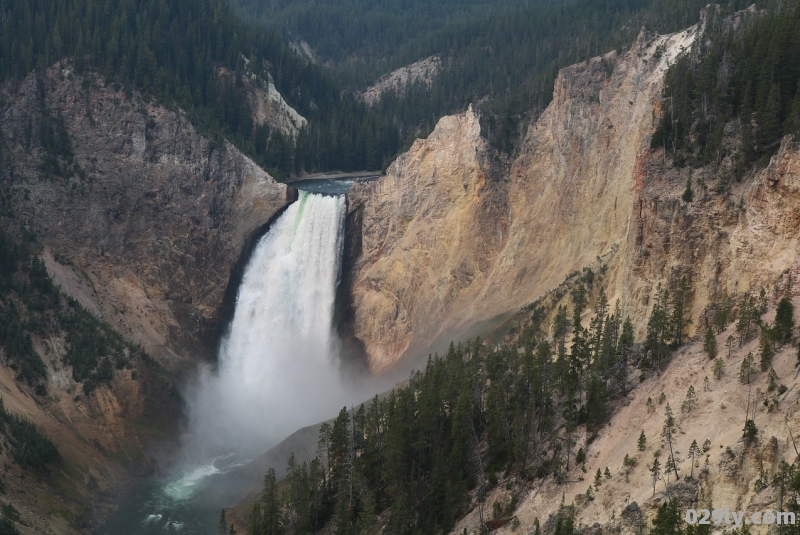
(278, 371)
(278, 364)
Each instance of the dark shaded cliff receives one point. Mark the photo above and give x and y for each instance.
(153, 214)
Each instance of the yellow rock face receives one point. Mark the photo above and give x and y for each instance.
(451, 238)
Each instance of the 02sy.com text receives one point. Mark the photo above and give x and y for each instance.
(736, 518)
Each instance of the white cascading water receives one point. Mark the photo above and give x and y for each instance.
(278, 371)
(278, 365)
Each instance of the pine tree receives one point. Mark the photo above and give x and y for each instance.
(579, 351)
(710, 343)
(784, 320)
(747, 314)
(367, 522)
(668, 519)
(658, 328)
(772, 384)
(746, 369)
(690, 400)
(668, 433)
(688, 194)
(719, 368)
(765, 350)
(723, 313)
(624, 350)
(597, 329)
(595, 406)
(694, 452)
(655, 472)
(565, 523)
(270, 505)
(222, 525)
(560, 328)
(750, 431)
(641, 444)
(677, 319)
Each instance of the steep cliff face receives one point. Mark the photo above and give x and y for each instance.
(270, 109)
(429, 232)
(152, 214)
(740, 241)
(144, 221)
(419, 72)
(449, 242)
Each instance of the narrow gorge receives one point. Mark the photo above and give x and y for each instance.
(204, 323)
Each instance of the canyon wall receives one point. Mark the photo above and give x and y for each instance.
(729, 472)
(452, 242)
(429, 232)
(151, 214)
(146, 222)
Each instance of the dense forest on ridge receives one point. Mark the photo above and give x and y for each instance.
(502, 55)
(739, 82)
(173, 51)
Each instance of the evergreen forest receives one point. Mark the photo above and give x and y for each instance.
(420, 458)
(501, 56)
(742, 83)
(174, 52)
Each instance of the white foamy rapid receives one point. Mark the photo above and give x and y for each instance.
(278, 365)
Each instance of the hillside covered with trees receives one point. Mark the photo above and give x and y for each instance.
(419, 459)
(174, 52)
(742, 83)
(504, 55)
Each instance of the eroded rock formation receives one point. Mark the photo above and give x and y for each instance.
(451, 243)
(143, 220)
(151, 213)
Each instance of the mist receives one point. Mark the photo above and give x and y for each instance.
(278, 364)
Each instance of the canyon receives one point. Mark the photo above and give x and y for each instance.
(152, 226)
(154, 221)
(452, 240)
(147, 224)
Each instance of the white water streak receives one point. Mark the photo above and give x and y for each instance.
(278, 366)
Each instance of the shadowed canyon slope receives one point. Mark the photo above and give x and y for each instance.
(152, 215)
(449, 240)
(145, 222)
